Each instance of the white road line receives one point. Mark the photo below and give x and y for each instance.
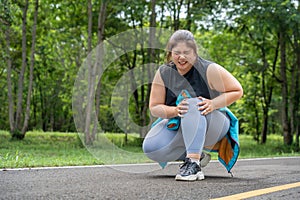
(127, 165)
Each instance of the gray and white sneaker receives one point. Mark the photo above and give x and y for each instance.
(204, 160)
(189, 171)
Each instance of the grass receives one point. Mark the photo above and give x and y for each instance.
(273, 148)
(43, 149)
(66, 149)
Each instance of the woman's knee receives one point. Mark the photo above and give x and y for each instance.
(148, 146)
(193, 110)
(193, 100)
(167, 154)
(153, 151)
(152, 144)
(159, 137)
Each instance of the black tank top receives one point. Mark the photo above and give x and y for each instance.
(194, 81)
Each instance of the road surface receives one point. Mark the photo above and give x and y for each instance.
(148, 181)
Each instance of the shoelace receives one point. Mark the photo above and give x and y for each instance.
(186, 162)
(190, 169)
(183, 165)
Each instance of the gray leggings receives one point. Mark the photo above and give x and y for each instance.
(196, 131)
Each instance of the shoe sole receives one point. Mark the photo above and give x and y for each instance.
(199, 176)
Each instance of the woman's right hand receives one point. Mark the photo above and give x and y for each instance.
(182, 108)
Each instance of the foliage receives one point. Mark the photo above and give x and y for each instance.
(242, 36)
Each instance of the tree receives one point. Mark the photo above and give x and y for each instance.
(256, 40)
(32, 59)
(286, 26)
(295, 86)
(16, 132)
(16, 128)
(90, 131)
(274, 21)
(6, 20)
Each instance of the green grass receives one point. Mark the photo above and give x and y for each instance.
(60, 149)
(43, 149)
(40, 149)
(273, 148)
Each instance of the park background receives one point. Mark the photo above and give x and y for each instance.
(44, 44)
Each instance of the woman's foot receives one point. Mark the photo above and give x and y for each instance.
(189, 171)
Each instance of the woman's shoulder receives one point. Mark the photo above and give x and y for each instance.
(167, 67)
(205, 62)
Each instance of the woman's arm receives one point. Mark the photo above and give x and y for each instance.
(157, 99)
(221, 80)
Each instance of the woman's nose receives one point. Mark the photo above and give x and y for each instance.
(181, 56)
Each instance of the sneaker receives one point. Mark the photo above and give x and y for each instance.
(204, 160)
(189, 171)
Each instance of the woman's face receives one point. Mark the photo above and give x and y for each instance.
(183, 57)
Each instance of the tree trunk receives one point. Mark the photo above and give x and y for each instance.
(17, 132)
(176, 14)
(297, 137)
(257, 121)
(265, 101)
(27, 113)
(264, 126)
(267, 92)
(292, 100)
(297, 98)
(88, 119)
(42, 102)
(101, 21)
(9, 82)
(188, 16)
(297, 37)
(100, 34)
(288, 139)
(150, 74)
(265, 106)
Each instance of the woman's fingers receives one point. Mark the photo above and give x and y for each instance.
(205, 106)
(182, 108)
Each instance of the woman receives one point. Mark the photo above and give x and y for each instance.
(202, 123)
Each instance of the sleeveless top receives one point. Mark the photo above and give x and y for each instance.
(194, 81)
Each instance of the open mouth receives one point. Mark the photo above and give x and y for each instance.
(182, 62)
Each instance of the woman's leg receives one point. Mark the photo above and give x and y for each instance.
(217, 127)
(196, 131)
(163, 145)
(199, 130)
(193, 126)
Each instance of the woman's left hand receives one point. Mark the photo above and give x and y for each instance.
(206, 105)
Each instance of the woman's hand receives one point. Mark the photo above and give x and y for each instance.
(206, 105)
(182, 108)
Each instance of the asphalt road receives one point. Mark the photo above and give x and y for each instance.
(129, 181)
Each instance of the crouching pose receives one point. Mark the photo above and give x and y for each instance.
(189, 95)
